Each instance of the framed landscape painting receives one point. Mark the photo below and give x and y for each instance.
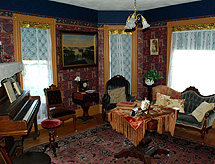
(78, 49)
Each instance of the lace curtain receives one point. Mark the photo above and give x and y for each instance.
(37, 60)
(120, 55)
(192, 60)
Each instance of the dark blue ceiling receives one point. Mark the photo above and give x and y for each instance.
(188, 10)
(49, 8)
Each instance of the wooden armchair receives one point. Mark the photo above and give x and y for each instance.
(55, 106)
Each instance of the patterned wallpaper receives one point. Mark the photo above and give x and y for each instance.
(66, 76)
(95, 75)
(157, 62)
(6, 36)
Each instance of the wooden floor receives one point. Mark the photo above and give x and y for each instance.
(68, 129)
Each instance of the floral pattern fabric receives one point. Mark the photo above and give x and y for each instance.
(179, 103)
(161, 99)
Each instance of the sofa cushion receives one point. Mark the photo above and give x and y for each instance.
(188, 120)
(200, 111)
(161, 99)
(117, 95)
(176, 103)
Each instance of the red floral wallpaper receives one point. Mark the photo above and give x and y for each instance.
(6, 36)
(157, 62)
(66, 76)
(95, 74)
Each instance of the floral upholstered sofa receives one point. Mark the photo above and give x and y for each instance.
(195, 110)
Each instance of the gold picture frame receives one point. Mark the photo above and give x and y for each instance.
(78, 49)
(154, 47)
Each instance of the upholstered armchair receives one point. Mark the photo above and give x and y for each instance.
(117, 89)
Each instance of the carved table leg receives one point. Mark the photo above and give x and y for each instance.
(143, 151)
(86, 115)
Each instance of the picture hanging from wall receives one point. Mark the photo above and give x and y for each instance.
(78, 49)
(154, 47)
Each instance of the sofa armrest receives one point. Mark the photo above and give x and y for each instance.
(210, 112)
(209, 118)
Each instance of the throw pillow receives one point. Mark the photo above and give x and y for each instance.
(179, 103)
(117, 95)
(200, 111)
(161, 99)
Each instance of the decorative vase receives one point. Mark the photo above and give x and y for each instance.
(149, 82)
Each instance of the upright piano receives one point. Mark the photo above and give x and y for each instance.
(16, 120)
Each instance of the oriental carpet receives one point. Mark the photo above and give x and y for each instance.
(98, 145)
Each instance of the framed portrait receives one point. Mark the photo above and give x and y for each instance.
(154, 47)
(78, 49)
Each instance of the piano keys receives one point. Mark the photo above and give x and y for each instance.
(17, 118)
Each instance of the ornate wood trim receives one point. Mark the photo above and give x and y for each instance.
(107, 55)
(194, 89)
(170, 26)
(17, 18)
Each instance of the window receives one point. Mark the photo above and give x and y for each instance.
(120, 56)
(191, 60)
(34, 45)
(107, 58)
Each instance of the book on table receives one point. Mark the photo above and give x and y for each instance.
(126, 105)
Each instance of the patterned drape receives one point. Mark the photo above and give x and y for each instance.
(192, 60)
(120, 55)
(37, 60)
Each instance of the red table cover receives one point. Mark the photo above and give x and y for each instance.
(134, 127)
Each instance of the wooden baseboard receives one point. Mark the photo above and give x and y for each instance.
(96, 109)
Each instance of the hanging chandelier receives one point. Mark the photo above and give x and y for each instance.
(134, 18)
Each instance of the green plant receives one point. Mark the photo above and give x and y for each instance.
(152, 74)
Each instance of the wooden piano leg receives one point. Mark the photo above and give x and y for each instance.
(19, 142)
(36, 129)
(36, 132)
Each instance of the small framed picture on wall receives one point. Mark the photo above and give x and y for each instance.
(154, 47)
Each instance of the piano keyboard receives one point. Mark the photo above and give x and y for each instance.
(30, 111)
(26, 111)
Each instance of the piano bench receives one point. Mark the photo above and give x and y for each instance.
(33, 158)
(51, 124)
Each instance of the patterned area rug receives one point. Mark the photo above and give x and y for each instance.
(98, 145)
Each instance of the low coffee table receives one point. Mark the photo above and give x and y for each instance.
(138, 128)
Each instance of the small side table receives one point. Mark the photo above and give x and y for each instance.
(85, 99)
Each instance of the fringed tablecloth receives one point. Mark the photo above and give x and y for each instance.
(134, 127)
